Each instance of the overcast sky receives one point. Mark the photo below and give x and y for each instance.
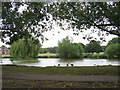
(53, 39)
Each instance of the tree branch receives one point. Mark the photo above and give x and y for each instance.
(94, 24)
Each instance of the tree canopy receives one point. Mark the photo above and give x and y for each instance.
(93, 46)
(113, 51)
(25, 48)
(17, 23)
(67, 49)
(81, 16)
(114, 40)
(84, 15)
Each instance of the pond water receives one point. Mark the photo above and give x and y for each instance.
(44, 62)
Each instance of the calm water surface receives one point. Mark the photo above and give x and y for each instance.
(44, 62)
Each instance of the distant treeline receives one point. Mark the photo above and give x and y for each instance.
(48, 50)
(67, 49)
(30, 48)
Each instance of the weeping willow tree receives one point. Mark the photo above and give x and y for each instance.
(25, 48)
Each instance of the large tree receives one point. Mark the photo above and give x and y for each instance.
(18, 23)
(104, 16)
(93, 46)
(114, 41)
(25, 48)
(67, 49)
(81, 16)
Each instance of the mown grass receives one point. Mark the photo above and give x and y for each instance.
(48, 55)
(100, 70)
(6, 56)
(9, 83)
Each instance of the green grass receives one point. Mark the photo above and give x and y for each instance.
(48, 55)
(101, 70)
(39, 56)
(9, 83)
(6, 56)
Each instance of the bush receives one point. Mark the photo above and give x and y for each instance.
(54, 56)
(103, 56)
(97, 56)
(87, 55)
(43, 56)
(113, 51)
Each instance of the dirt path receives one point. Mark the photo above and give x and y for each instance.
(61, 78)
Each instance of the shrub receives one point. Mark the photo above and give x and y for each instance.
(113, 51)
(97, 56)
(43, 56)
(87, 55)
(103, 56)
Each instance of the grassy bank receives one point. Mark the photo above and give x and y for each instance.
(101, 70)
(8, 83)
(85, 55)
(46, 55)
(5, 56)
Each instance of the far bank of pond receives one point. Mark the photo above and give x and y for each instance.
(45, 62)
(49, 55)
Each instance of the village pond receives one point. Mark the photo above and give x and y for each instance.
(44, 62)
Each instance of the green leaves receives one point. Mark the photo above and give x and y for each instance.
(23, 21)
(67, 49)
(114, 41)
(103, 16)
(97, 14)
(93, 46)
(113, 51)
(25, 48)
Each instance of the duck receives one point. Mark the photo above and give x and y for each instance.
(58, 64)
(67, 64)
(72, 64)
